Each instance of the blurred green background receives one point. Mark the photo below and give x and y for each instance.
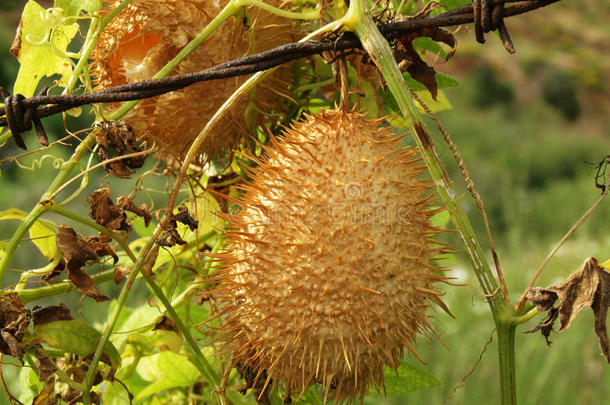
(531, 127)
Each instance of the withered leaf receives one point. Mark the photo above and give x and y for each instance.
(116, 138)
(142, 211)
(104, 212)
(166, 324)
(14, 319)
(170, 236)
(410, 60)
(147, 268)
(117, 168)
(76, 253)
(73, 248)
(101, 248)
(46, 366)
(589, 286)
(185, 218)
(51, 313)
(85, 284)
(119, 273)
(11, 308)
(546, 325)
(10, 344)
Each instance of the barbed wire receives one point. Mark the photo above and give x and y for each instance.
(20, 113)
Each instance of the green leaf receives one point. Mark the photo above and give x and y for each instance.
(430, 45)
(440, 219)
(205, 209)
(166, 370)
(451, 4)
(405, 379)
(444, 80)
(74, 7)
(141, 229)
(42, 42)
(115, 393)
(75, 337)
(395, 118)
(441, 103)
(29, 385)
(42, 233)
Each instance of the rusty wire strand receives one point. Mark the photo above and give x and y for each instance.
(20, 113)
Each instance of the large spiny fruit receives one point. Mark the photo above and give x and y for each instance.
(147, 34)
(330, 271)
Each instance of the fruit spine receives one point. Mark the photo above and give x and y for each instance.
(330, 269)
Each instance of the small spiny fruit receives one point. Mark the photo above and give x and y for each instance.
(147, 34)
(330, 269)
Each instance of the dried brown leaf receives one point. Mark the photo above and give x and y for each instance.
(589, 286)
(142, 211)
(14, 319)
(166, 324)
(46, 367)
(73, 248)
(119, 273)
(101, 247)
(11, 308)
(185, 218)
(150, 261)
(76, 253)
(104, 212)
(51, 313)
(116, 138)
(170, 236)
(410, 60)
(83, 282)
(117, 168)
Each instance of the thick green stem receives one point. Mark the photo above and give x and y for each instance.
(506, 353)
(35, 294)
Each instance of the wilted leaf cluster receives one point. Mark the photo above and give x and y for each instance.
(589, 286)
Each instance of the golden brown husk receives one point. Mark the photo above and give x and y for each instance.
(149, 33)
(330, 270)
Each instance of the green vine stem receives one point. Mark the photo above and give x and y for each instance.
(35, 294)
(359, 20)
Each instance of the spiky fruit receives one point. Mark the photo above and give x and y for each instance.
(330, 270)
(147, 34)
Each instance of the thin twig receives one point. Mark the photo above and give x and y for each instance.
(472, 370)
(102, 163)
(561, 242)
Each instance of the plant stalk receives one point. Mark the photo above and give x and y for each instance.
(506, 353)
